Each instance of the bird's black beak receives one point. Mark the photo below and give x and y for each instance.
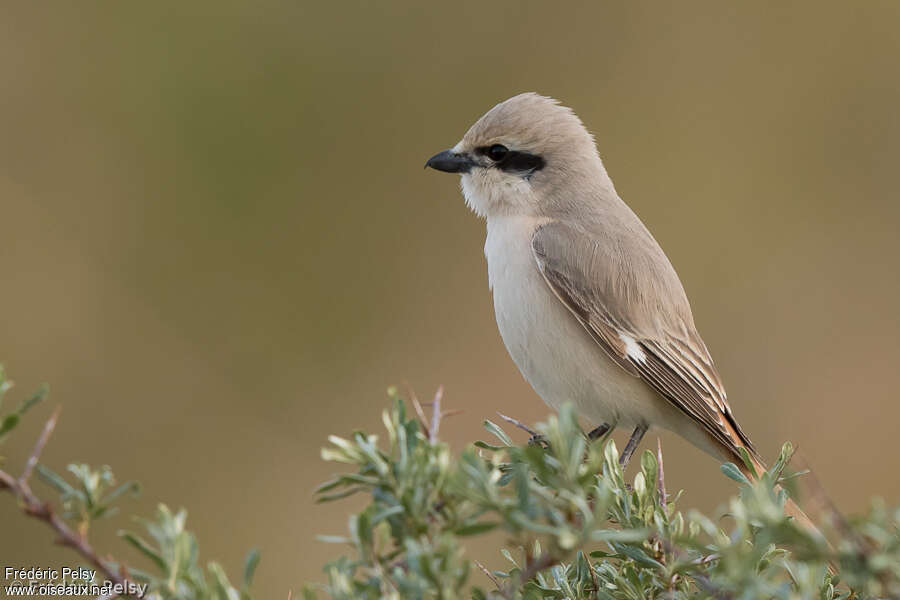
(449, 161)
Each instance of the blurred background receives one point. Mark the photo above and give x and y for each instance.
(218, 244)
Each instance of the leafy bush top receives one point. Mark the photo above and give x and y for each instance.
(576, 528)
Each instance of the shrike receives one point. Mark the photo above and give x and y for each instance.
(588, 306)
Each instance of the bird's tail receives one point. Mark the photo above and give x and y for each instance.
(791, 508)
(740, 440)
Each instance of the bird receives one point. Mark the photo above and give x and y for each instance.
(588, 305)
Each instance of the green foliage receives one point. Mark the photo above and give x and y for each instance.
(93, 495)
(174, 572)
(178, 573)
(406, 538)
(576, 528)
(10, 420)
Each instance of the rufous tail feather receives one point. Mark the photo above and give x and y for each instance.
(791, 508)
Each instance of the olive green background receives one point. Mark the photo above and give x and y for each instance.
(218, 244)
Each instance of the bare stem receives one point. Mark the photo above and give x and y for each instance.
(519, 424)
(35, 456)
(37, 508)
(420, 412)
(436, 414)
(544, 561)
(661, 475)
(490, 576)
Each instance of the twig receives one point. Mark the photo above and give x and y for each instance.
(451, 413)
(436, 414)
(519, 424)
(660, 476)
(42, 440)
(490, 576)
(544, 561)
(37, 508)
(420, 412)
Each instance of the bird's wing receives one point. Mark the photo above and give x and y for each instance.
(626, 294)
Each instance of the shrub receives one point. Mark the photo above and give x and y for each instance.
(575, 528)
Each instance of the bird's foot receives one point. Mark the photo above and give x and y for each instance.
(632, 445)
(538, 440)
(598, 432)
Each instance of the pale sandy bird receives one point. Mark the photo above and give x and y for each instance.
(588, 305)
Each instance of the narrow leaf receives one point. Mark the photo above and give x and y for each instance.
(250, 564)
(496, 431)
(731, 470)
(145, 549)
(475, 528)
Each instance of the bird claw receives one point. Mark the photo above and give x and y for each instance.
(539, 440)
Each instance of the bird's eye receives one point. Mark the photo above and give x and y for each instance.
(497, 152)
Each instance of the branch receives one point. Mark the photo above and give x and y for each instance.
(436, 414)
(430, 427)
(661, 475)
(519, 424)
(42, 440)
(37, 508)
(490, 576)
(544, 561)
(420, 412)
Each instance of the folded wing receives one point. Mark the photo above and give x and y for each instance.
(628, 297)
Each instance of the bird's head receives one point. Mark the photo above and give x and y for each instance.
(521, 156)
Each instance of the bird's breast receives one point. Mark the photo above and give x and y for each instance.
(552, 349)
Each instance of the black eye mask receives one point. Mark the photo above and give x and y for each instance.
(512, 161)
